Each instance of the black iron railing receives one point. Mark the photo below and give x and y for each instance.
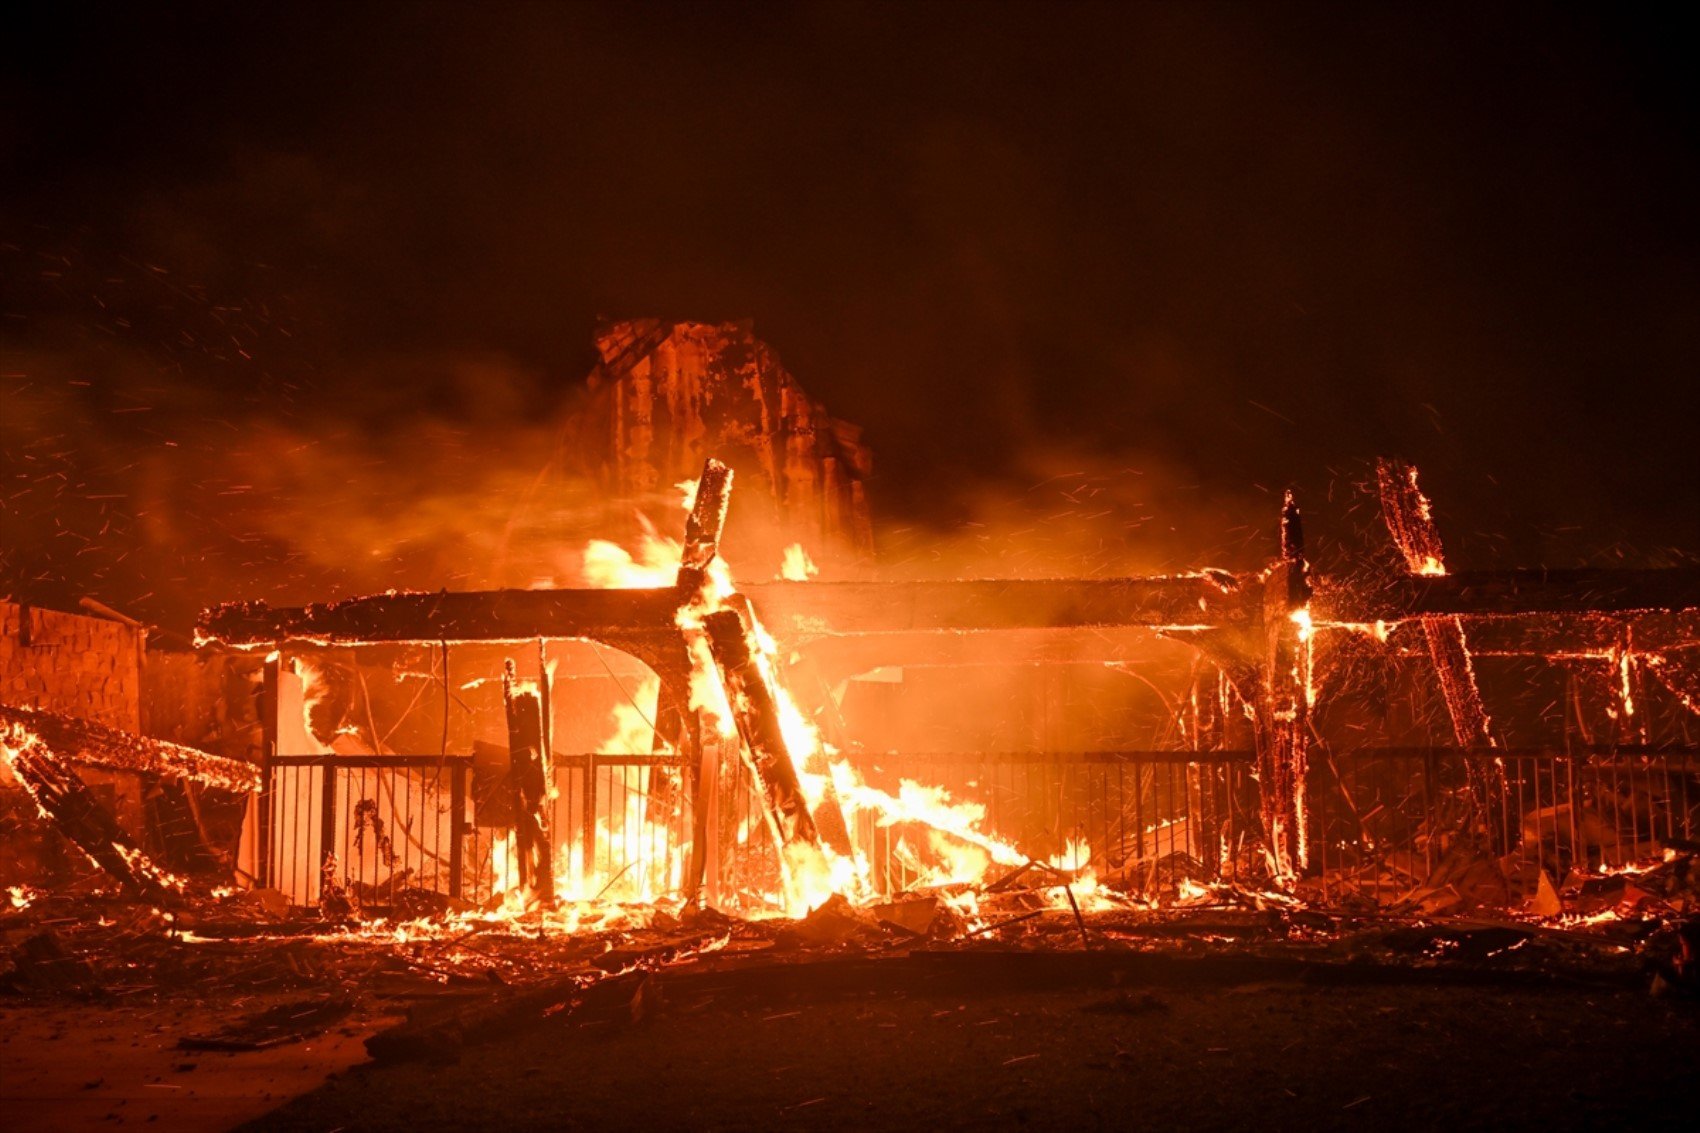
(1381, 821)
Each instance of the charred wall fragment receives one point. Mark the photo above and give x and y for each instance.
(667, 395)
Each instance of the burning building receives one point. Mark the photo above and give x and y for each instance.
(1182, 609)
(665, 734)
(845, 756)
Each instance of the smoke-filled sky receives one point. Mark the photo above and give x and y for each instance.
(270, 265)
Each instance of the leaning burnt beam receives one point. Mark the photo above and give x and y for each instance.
(1410, 521)
(89, 744)
(756, 709)
(66, 801)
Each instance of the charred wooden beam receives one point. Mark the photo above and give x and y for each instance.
(495, 615)
(529, 772)
(90, 744)
(1492, 593)
(1411, 523)
(704, 525)
(793, 609)
(756, 709)
(1281, 706)
(900, 760)
(634, 620)
(813, 607)
(840, 656)
(1565, 636)
(678, 726)
(66, 801)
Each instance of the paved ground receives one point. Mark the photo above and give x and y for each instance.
(68, 1066)
(1265, 1055)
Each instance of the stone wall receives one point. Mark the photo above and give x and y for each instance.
(81, 666)
(71, 663)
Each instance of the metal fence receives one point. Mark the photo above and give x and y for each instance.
(1115, 811)
(1384, 820)
(403, 827)
(1381, 820)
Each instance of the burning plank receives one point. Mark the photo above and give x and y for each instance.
(756, 707)
(678, 726)
(112, 749)
(66, 801)
(704, 525)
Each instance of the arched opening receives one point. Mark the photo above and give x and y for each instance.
(389, 774)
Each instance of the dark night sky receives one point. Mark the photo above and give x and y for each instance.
(1252, 247)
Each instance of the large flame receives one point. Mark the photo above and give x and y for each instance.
(959, 850)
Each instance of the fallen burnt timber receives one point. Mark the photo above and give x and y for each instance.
(68, 803)
(43, 750)
(92, 744)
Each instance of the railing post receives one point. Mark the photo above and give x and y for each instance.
(327, 812)
(268, 751)
(457, 827)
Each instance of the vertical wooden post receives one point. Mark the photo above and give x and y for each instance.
(528, 760)
(327, 813)
(1283, 711)
(1202, 803)
(676, 723)
(708, 842)
(457, 826)
(546, 754)
(268, 751)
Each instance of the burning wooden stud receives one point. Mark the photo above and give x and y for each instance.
(528, 756)
(755, 706)
(1283, 706)
(704, 525)
(677, 726)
